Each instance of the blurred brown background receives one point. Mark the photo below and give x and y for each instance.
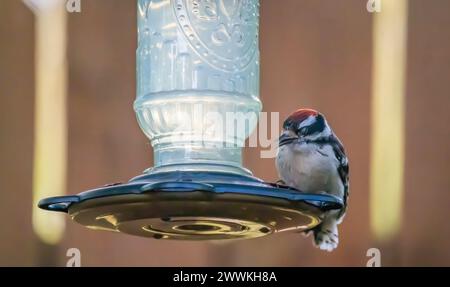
(313, 53)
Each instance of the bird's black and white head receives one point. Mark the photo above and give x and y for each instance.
(304, 125)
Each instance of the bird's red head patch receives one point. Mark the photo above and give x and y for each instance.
(302, 114)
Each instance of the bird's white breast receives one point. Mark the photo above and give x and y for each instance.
(310, 168)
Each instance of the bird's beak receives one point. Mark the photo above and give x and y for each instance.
(285, 139)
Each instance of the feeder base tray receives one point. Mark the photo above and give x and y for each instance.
(195, 206)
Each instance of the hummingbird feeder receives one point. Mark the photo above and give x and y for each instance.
(197, 65)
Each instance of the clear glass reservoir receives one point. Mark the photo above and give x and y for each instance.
(198, 80)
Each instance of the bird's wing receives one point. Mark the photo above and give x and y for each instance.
(343, 168)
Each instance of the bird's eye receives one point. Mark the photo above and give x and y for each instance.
(303, 131)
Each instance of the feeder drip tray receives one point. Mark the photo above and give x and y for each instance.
(195, 206)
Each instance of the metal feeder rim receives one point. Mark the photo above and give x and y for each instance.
(322, 201)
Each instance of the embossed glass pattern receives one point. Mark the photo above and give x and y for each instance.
(197, 66)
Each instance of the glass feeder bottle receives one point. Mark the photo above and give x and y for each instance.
(198, 81)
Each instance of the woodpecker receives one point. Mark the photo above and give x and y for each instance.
(312, 159)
